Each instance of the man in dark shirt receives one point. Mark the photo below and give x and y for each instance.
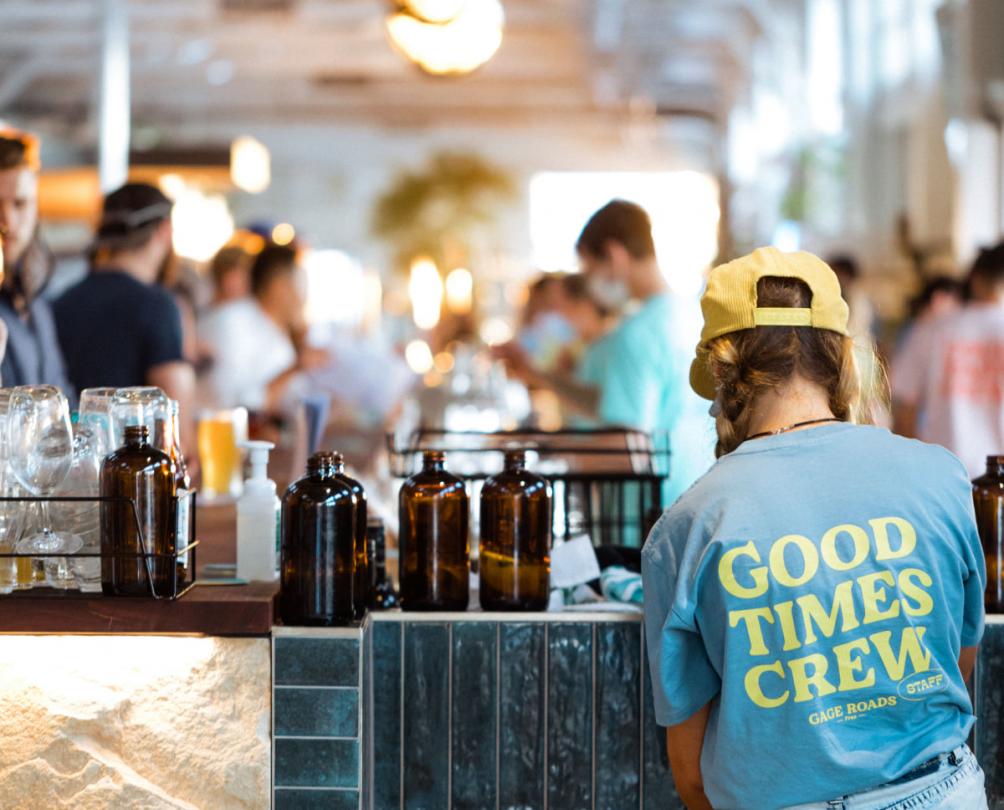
(32, 354)
(118, 327)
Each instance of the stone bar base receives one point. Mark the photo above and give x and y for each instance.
(134, 722)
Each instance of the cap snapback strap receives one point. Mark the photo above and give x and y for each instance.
(782, 316)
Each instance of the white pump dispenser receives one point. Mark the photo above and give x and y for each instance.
(257, 519)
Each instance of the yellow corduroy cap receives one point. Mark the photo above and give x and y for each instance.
(729, 303)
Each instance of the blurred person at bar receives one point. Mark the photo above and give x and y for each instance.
(634, 376)
(952, 393)
(940, 297)
(861, 325)
(862, 317)
(119, 327)
(813, 604)
(258, 344)
(230, 273)
(561, 319)
(32, 348)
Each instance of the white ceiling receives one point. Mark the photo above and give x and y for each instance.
(320, 61)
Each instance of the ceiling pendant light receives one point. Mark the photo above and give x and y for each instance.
(447, 37)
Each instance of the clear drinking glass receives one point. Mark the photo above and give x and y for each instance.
(10, 569)
(83, 518)
(95, 411)
(40, 444)
(220, 434)
(141, 405)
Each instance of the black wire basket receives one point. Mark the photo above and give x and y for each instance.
(167, 575)
(607, 483)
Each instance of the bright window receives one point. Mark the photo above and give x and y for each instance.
(683, 205)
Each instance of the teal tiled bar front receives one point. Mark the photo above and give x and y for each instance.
(467, 711)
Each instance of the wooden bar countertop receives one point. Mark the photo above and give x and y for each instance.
(207, 609)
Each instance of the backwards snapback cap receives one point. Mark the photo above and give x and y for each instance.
(729, 303)
(129, 209)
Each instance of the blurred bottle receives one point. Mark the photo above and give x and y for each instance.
(515, 549)
(174, 427)
(382, 593)
(318, 547)
(361, 586)
(988, 498)
(433, 542)
(146, 476)
(183, 484)
(257, 519)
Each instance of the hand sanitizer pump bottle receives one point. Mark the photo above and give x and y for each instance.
(257, 519)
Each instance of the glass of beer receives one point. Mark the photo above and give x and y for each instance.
(219, 436)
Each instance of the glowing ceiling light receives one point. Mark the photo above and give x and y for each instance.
(495, 332)
(435, 11)
(201, 224)
(459, 291)
(425, 288)
(250, 164)
(418, 355)
(283, 233)
(172, 184)
(459, 45)
(444, 362)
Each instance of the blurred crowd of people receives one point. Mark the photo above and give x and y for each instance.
(610, 345)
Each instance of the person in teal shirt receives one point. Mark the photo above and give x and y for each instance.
(814, 603)
(636, 375)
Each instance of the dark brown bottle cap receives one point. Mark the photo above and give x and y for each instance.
(324, 460)
(515, 456)
(137, 434)
(433, 456)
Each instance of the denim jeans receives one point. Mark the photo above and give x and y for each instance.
(951, 787)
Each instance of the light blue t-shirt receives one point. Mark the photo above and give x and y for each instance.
(817, 586)
(642, 370)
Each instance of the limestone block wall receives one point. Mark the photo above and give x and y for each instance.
(130, 722)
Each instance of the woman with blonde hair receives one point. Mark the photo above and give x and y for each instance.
(814, 602)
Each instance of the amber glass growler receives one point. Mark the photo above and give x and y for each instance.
(988, 498)
(434, 546)
(515, 551)
(146, 476)
(318, 547)
(361, 583)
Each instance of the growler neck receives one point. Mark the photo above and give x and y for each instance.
(995, 466)
(433, 461)
(324, 464)
(515, 461)
(137, 437)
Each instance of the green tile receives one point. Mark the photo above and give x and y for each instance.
(316, 712)
(316, 763)
(292, 799)
(316, 661)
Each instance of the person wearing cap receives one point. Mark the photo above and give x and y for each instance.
(813, 604)
(28, 334)
(117, 326)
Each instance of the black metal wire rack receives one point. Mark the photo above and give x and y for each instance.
(607, 483)
(168, 576)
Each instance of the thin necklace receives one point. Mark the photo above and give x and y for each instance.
(793, 427)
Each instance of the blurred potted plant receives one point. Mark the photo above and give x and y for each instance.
(436, 210)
